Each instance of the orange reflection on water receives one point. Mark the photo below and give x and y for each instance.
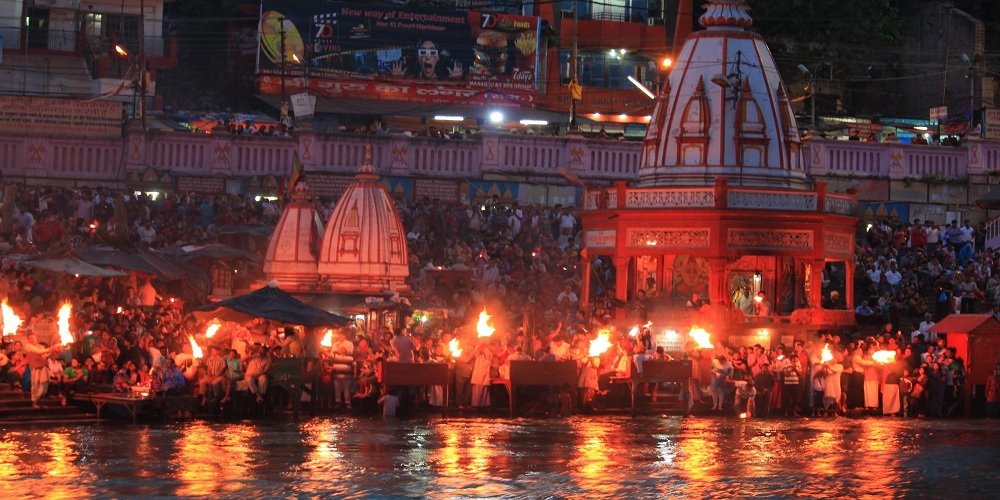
(213, 461)
(10, 457)
(698, 455)
(467, 451)
(449, 458)
(826, 452)
(325, 456)
(591, 465)
(879, 447)
(61, 456)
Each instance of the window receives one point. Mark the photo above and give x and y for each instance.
(38, 28)
(93, 25)
(122, 30)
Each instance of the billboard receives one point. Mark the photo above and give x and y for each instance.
(360, 51)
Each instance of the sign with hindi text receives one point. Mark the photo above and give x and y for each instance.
(76, 117)
(991, 127)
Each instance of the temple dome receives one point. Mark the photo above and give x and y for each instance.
(364, 247)
(291, 253)
(723, 111)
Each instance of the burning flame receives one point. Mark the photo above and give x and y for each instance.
(62, 321)
(827, 355)
(195, 350)
(119, 309)
(212, 330)
(453, 347)
(600, 344)
(327, 339)
(700, 337)
(483, 328)
(634, 331)
(884, 357)
(11, 321)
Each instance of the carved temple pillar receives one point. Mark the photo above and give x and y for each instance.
(621, 280)
(849, 268)
(717, 289)
(816, 285)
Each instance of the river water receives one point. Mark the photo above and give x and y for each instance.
(579, 457)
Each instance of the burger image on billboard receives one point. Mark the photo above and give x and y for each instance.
(490, 54)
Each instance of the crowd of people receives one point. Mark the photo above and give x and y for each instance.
(522, 264)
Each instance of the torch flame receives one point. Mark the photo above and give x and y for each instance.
(195, 350)
(62, 321)
(700, 337)
(453, 347)
(600, 344)
(827, 354)
(327, 339)
(11, 321)
(884, 357)
(483, 328)
(212, 330)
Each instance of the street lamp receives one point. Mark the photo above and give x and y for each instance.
(284, 102)
(812, 98)
(139, 85)
(972, 88)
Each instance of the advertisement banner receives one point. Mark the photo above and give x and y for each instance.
(416, 49)
(402, 92)
(61, 116)
(992, 125)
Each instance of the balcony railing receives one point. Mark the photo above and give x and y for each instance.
(529, 158)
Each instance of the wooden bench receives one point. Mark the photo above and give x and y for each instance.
(136, 404)
(417, 375)
(528, 373)
(655, 372)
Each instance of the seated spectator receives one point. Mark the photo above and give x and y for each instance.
(834, 301)
(864, 314)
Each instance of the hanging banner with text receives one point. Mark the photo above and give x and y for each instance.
(61, 116)
(469, 53)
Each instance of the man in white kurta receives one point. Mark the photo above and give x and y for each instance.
(481, 376)
(831, 387)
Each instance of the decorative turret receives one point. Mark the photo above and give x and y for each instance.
(291, 253)
(724, 111)
(364, 247)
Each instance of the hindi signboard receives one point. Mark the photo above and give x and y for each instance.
(938, 113)
(600, 238)
(40, 115)
(411, 55)
(991, 127)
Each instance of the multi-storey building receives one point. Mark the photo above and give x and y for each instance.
(67, 49)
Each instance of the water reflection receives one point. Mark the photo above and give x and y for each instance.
(472, 457)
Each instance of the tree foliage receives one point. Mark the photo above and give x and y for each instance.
(837, 33)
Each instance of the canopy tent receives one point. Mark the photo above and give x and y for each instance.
(271, 303)
(990, 200)
(140, 262)
(65, 265)
(215, 251)
(261, 230)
